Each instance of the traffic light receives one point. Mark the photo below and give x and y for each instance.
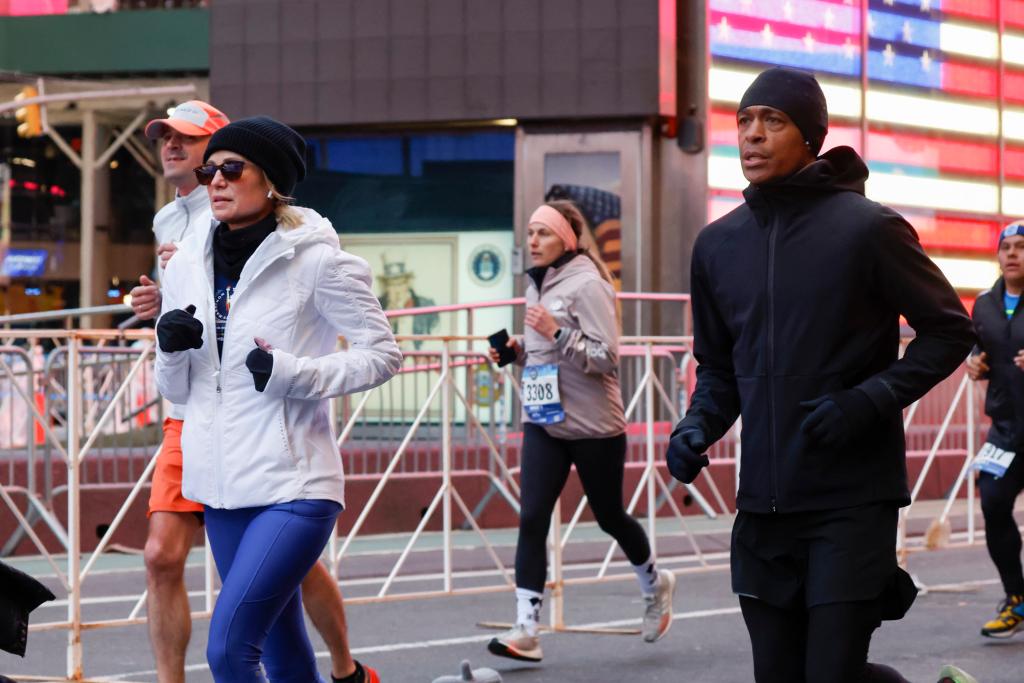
(30, 120)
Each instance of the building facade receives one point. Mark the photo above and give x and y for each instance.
(436, 126)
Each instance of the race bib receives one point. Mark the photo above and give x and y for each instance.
(993, 460)
(540, 394)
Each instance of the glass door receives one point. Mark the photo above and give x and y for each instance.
(602, 173)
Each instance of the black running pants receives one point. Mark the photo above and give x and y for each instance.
(545, 467)
(823, 644)
(1001, 534)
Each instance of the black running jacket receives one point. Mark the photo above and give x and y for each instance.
(798, 293)
(1001, 339)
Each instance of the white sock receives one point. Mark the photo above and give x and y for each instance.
(647, 576)
(528, 604)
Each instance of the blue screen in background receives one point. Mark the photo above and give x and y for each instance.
(24, 263)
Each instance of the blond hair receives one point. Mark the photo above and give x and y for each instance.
(286, 214)
(587, 243)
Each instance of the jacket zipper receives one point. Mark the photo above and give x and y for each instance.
(217, 364)
(770, 286)
(1001, 305)
(216, 376)
(216, 460)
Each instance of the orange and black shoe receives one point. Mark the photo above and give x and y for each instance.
(362, 674)
(1009, 619)
(370, 674)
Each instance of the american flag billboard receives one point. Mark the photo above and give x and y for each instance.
(929, 92)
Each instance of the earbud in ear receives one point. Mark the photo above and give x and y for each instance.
(270, 194)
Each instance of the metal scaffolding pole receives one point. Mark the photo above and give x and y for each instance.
(74, 416)
(87, 233)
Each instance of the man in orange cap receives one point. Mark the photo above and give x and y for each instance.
(183, 136)
(174, 520)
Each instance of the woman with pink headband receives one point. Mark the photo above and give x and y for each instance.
(572, 415)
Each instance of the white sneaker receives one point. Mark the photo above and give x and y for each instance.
(658, 612)
(517, 643)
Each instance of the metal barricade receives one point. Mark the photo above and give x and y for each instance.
(445, 399)
(24, 443)
(124, 442)
(447, 418)
(954, 432)
(91, 387)
(650, 408)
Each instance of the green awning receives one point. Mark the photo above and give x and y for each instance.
(140, 41)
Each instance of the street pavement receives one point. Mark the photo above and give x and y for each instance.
(419, 639)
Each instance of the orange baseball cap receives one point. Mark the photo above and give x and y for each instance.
(195, 117)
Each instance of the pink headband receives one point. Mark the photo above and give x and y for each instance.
(551, 218)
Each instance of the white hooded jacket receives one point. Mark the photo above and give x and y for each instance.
(298, 291)
(183, 219)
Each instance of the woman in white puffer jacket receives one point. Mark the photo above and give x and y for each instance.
(248, 343)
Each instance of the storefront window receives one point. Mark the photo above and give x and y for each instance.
(412, 183)
(432, 213)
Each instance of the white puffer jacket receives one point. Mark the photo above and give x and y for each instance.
(298, 291)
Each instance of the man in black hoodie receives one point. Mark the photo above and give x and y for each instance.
(797, 298)
(1000, 359)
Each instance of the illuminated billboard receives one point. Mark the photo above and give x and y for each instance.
(929, 92)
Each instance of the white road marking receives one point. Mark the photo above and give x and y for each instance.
(464, 640)
(570, 570)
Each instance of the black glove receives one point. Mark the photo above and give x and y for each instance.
(686, 456)
(837, 418)
(178, 330)
(261, 365)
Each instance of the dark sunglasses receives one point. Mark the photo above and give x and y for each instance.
(231, 170)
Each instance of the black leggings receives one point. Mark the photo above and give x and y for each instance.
(823, 644)
(1001, 534)
(545, 468)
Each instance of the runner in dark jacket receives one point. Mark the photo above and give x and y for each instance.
(1000, 359)
(797, 298)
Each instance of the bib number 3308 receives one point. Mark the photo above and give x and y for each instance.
(541, 399)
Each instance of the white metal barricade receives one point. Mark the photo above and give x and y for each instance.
(94, 397)
(75, 446)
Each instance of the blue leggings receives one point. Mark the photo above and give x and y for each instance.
(262, 555)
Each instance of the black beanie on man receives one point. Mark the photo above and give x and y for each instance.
(795, 93)
(270, 144)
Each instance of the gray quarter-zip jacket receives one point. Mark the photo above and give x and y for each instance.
(586, 351)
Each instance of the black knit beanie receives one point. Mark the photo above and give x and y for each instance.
(270, 144)
(797, 94)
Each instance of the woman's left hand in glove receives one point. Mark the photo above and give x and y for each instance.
(260, 363)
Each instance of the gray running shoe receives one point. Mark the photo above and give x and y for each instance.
(517, 643)
(658, 610)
